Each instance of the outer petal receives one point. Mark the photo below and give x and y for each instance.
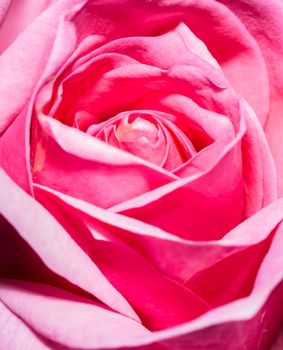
(257, 15)
(19, 16)
(159, 301)
(241, 251)
(11, 325)
(21, 85)
(248, 323)
(65, 318)
(54, 246)
(23, 63)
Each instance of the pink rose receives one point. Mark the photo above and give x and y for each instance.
(139, 194)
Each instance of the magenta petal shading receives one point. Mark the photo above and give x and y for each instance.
(237, 183)
(83, 159)
(255, 16)
(158, 301)
(15, 156)
(226, 38)
(220, 201)
(244, 314)
(278, 341)
(257, 316)
(241, 251)
(3, 11)
(56, 249)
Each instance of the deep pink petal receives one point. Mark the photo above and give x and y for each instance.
(278, 341)
(56, 248)
(225, 36)
(4, 6)
(158, 300)
(220, 200)
(257, 315)
(15, 156)
(95, 167)
(257, 15)
(242, 248)
(259, 170)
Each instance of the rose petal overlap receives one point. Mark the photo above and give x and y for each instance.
(138, 193)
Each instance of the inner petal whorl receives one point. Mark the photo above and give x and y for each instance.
(139, 129)
(146, 135)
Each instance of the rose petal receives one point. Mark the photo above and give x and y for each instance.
(259, 169)
(255, 16)
(211, 202)
(162, 51)
(225, 36)
(257, 316)
(15, 156)
(167, 252)
(3, 10)
(22, 72)
(56, 249)
(66, 318)
(278, 342)
(19, 16)
(10, 325)
(158, 301)
(177, 46)
(215, 193)
(77, 158)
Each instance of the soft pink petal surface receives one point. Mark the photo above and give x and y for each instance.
(242, 249)
(15, 157)
(22, 72)
(19, 16)
(259, 309)
(257, 15)
(66, 318)
(11, 325)
(58, 251)
(129, 251)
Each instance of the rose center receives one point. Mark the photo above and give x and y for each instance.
(146, 135)
(139, 130)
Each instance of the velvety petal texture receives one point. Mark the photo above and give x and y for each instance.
(256, 15)
(140, 171)
(258, 303)
(18, 16)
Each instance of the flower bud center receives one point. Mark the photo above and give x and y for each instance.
(148, 135)
(137, 130)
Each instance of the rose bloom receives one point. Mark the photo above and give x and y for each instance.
(141, 166)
